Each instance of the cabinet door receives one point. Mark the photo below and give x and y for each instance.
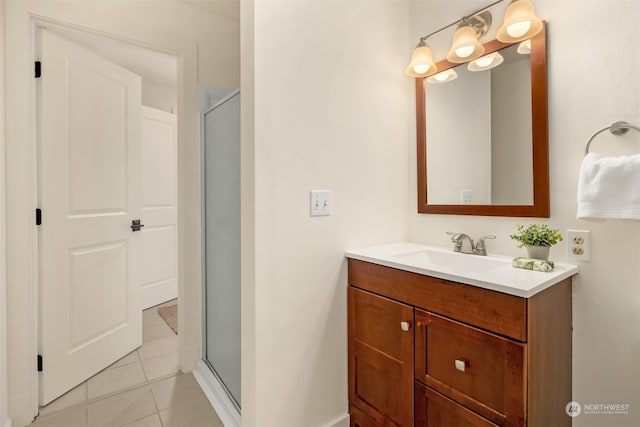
(480, 370)
(358, 418)
(381, 358)
(435, 410)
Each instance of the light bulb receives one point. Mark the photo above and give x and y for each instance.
(464, 51)
(441, 77)
(421, 68)
(518, 29)
(485, 62)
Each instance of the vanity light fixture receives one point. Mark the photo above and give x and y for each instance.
(520, 23)
(444, 76)
(465, 46)
(421, 64)
(486, 62)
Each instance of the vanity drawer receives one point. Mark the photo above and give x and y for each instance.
(436, 410)
(480, 370)
(494, 311)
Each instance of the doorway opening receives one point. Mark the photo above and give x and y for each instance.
(23, 20)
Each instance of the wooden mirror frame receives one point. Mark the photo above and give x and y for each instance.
(540, 141)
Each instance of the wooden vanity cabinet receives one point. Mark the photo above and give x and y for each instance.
(434, 353)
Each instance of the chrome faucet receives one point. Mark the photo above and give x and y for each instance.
(459, 239)
(469, 248)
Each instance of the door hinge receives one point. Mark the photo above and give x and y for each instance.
(39, 363)
(38, 69)
(38, 216)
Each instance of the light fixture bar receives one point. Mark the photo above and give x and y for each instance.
(520, 23)
(461, 20)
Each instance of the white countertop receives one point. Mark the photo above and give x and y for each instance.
(492, 272)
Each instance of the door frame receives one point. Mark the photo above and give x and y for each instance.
(22, 22)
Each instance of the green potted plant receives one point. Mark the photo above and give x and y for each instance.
(537, 238)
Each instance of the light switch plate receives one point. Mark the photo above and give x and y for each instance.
(320, 202)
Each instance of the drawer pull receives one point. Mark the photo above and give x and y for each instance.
(405, 326)
(460, 365)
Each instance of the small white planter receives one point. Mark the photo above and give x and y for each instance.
(539, 252)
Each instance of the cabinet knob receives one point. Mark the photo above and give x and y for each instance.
(460, 365)
(405, 326)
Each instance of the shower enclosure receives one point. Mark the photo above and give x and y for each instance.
(221, 129)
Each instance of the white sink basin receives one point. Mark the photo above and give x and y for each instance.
(490, 272)
(453, 261)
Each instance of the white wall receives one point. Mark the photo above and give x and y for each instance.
(593, 81)
(4, 396)
(159, 96)
(331, 107)
(170, 26)
(217, 36)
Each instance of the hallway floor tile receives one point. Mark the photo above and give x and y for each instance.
(143, 389)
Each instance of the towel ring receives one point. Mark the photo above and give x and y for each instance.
(618, 128)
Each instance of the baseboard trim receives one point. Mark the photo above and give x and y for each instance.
(159, 293)
(225, 409)
(342, 421)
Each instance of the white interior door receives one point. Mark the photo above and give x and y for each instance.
(89, 192)
(158, 259)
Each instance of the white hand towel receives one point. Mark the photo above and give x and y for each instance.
(609, 187)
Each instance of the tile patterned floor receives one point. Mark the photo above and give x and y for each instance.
(143, 389)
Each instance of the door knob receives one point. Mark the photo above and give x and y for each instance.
(460, 365)
(405, 326)
(135, 225)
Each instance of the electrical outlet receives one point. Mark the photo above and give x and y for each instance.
(578, 245)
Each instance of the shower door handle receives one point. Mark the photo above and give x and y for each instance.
(135, 225)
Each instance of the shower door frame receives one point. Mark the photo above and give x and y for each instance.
(215, 389)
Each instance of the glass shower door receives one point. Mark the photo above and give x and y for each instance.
(222, 242)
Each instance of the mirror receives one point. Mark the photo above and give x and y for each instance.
(484, 148)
